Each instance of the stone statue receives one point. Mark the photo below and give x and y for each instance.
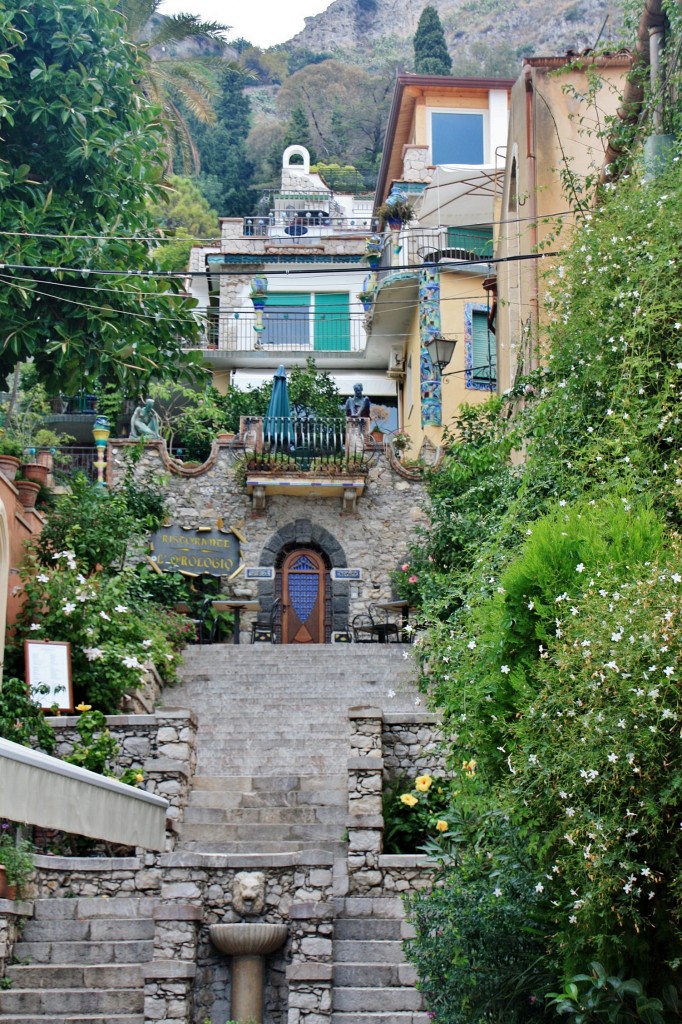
(248, 893)
(357, 404)
(144, 423)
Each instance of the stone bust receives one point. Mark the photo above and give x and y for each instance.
(357, 404)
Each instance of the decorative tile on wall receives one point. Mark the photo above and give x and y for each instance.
(429, 327)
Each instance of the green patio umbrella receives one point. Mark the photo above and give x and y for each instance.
(277, 427)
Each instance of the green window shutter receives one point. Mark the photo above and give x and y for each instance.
(477, 241)
(332, 322)
(483, 350)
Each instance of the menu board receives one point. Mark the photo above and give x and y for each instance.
(48, 664)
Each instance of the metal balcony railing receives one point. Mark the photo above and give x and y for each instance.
(435, 245)
(307, 444)
(305, 225)
(300, 329)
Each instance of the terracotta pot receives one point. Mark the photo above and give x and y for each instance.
(28, 492)
(9, 465)
(44, 457)
(7, 891)
(36, 472)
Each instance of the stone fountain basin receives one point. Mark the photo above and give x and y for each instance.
(248, 938)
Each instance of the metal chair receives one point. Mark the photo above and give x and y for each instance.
(363, 629)
(264, 628)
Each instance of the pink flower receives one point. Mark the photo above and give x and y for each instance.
(405, 566)
(412, 579)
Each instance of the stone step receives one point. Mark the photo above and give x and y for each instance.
(370, 906)
(365, 1017)
(266, 846)
(59, 952)
(352, 975)
(267, 814)
(35, 976)
(255, 834)
(375, 1000)
(93, 930)
(93, 907)
(61, 1002)
(368, 928)
(71, 1019)
(367, 952)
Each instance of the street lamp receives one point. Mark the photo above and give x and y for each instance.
(441, 351)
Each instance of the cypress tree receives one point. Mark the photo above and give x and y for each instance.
(226, 171)
(431, 55)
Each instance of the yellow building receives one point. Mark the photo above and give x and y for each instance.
(444, 153)
(559, 108)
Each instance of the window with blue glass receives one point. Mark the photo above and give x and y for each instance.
(457, 137)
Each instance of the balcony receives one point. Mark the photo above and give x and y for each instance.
(304, 226)
(451, 245)
(306, 457)
(299, 332)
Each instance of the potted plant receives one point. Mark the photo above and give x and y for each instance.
(16, 858)
(10, 455)
(396, 211)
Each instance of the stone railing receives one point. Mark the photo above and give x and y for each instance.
(382, 749)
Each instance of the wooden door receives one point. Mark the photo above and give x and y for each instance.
(303, 593)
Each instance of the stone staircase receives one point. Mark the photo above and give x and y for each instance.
(273, 740)
(81, 961)
(372, 982)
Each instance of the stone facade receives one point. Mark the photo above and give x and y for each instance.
(375, 537)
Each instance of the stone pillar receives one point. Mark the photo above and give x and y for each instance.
(309, 976)
(169, 977)
(365, 821)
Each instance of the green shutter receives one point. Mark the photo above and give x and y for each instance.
(483, 350)
(477, 241)
(288, 299)
(332, 322)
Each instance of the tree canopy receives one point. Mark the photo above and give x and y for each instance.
(431, 55)
(82, 160)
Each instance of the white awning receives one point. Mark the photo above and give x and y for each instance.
(458, 196)
(376, 385)
(37, 789)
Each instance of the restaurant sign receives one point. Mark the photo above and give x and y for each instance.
(202, 552)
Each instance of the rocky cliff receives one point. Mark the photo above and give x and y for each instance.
(524, 28)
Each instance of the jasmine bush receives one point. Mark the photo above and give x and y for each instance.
(552, 593)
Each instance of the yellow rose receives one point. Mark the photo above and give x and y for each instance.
(441, 825)
(139, 777)
(408, 799)
(83, 707)
(423, 783)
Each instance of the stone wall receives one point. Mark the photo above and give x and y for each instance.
(383, 748)
(162, 745)
(375, 537)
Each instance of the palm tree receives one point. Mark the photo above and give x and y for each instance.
(171, 77)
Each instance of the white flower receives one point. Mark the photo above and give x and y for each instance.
(42, 578)
(570, 812)
(505, 670)
(93, 653)
(580, 567)
(34, 625)
(103, 615)
(532, 759)
(417, 702)
(668, 671)
(131, 662)
(531, 606)
(539, 887)
(497, 892)
(613, 758)
(120, 608)
(472, 645)
(390, 693)
(147, 643)
(68, 607)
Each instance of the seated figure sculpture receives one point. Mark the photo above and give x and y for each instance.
(144, 423)
(357, 404)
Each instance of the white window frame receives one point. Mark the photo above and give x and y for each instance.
(482, 112)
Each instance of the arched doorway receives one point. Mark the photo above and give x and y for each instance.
(303, 582)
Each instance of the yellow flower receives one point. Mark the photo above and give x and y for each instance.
(139, 777)
(469, 767)
(441, 825)
(408, 799)
(423, 783)
(83, 707)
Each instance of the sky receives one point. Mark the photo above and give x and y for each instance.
(263, 22)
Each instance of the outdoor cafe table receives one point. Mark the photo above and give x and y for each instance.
(237, 605)
(398, 606)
